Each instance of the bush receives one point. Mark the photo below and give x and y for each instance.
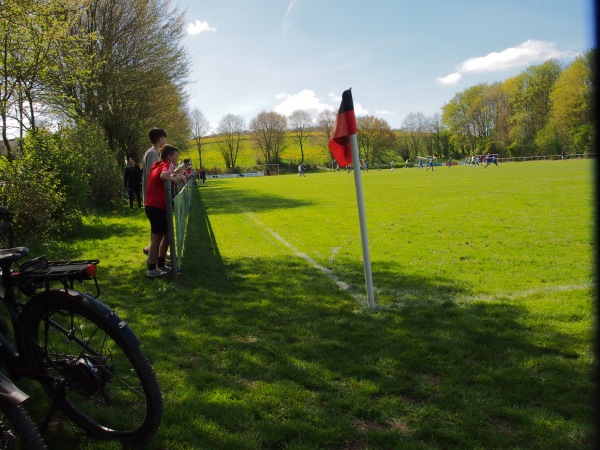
(103, 173)
(36, 200)
(58, 176)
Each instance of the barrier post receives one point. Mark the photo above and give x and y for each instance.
(172, 246)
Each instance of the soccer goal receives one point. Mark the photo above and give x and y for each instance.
(271, 169)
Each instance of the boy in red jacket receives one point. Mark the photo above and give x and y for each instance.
(156, 208)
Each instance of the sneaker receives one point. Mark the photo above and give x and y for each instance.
(155, 273)
(168, 269)
(146, 250)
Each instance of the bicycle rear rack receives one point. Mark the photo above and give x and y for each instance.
(39, 272)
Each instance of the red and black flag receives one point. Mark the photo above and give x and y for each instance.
(345, 126)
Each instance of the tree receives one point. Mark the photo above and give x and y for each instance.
(415, 125)
(300, 122)
(230, 129)
(325, 123)
(434, 138)
(30, 33)
(531, 104)
(200, 128)
(268, 133)
(571, 99)
(375, 138)
(135, 73)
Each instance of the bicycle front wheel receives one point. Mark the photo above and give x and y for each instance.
(17, 431)
(110, 389)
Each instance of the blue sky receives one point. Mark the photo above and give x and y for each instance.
(399, 56)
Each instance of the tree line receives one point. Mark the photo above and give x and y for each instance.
(81, 83)
(545, 110)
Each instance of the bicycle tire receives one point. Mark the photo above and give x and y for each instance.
(111, 389)
(17, 430)
(7, 235)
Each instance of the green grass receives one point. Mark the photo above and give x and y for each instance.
(482, 337)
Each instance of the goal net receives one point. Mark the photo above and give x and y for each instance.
(270, 169)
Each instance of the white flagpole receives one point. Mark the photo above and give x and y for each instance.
(363, 221)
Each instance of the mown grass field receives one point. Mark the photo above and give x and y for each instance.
(482, 336)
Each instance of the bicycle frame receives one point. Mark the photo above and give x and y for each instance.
(36, 274)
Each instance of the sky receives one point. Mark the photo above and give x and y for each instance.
(398, 56)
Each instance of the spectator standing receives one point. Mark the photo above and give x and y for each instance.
(156, 209)
(158, 138)
(133, 182)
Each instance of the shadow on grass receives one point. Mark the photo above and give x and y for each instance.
(252, 201)
(268, 353)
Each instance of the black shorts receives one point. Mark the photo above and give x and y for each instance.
(158, 219)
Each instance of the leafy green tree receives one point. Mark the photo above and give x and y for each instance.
(134, 73)
(375, 138)
(531, 104)
(30, 34)
(571, 99)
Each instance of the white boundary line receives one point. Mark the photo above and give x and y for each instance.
(361, 300)
(327, 272)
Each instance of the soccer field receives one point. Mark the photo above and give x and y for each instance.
(481, 338)
(520, 229)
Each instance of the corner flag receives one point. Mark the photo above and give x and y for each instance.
(344, 148)
(345, 126)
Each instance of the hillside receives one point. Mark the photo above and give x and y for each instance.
(314, 154)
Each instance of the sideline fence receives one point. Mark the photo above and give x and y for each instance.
(178, 206)
(548, 157)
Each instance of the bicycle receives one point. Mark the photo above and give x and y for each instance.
(84, 355)
(17, 430)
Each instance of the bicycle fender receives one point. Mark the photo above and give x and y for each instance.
(9, 393)
(99, 309)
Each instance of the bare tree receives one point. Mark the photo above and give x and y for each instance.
(432, 135)
(415, 125)
(230, 129)
(325, 123)
(300, 124)
(268, 133)
(200, 128)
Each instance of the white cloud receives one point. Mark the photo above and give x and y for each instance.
(359, 110)
(305, 99)
(450, 80)
(522, 55)
(384, 112)
(285, 23)
(198, 27)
